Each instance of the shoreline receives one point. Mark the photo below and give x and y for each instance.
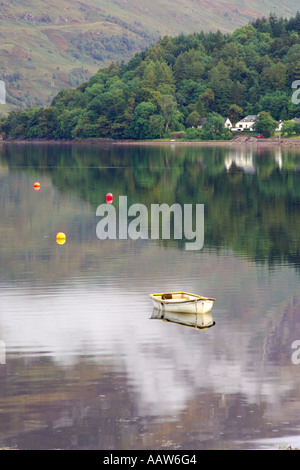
(249, 141)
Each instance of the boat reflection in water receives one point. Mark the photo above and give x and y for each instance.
(199, 321)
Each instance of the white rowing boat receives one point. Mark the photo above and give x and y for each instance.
(182, 302)
(195, 320)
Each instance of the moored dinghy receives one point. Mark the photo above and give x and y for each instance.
(182, 302)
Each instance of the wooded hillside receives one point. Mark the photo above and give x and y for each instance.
(171, 85)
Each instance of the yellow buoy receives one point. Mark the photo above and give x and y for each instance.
(61, 238)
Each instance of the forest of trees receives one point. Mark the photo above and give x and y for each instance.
(171, 85)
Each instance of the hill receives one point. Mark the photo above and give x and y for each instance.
(175, 83)
(49, 45)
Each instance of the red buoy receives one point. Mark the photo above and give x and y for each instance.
(36, 185)
(109, 198)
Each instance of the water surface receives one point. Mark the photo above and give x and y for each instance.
(86, 367)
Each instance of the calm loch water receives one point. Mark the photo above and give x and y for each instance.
(84, 363)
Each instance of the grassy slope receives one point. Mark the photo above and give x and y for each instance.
(40, 39)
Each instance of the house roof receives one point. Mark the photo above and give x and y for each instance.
(250, 118)
(296, 119)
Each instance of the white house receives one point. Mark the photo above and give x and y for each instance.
(227, 123)
(246, 123)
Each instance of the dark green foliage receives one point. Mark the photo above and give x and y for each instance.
(168, 87)
(265, 124)
(213, 128)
